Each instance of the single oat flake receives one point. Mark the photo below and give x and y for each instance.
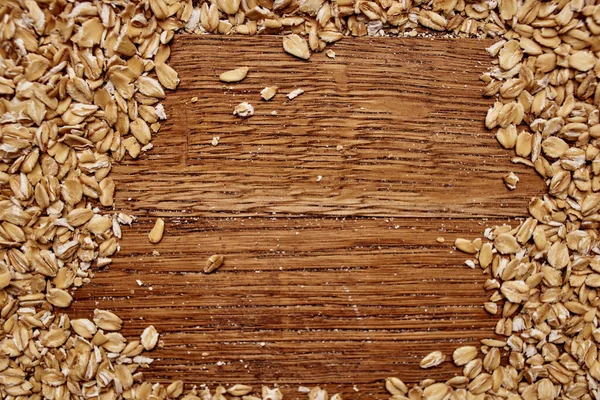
(235, 75)
(243, 110)
(157, 231)
(294, 93)
(269, 92)
(511, 180)
(213, 263)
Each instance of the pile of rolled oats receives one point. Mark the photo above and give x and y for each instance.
(80, 85)
(544, 274)
(80, 89)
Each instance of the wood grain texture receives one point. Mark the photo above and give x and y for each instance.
(407, 112)
(337, 281)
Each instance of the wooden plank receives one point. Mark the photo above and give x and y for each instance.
(300, 300)
(338, 281)
(408, 113)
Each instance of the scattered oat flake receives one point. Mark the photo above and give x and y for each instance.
(296, 46)
(215, 140)
(330, 53)
(213, 263)
(269, 92)
(511, 180)
(156, 234)
(235, 75)
(295, 93)
(149, 338)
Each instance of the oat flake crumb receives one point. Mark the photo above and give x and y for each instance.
(160, 111)
(243, 110)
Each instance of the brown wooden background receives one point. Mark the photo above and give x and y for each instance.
(339, 281)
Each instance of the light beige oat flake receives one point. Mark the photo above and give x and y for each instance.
(465, 246)
(243, 110)
(213, 263)
(294, 93)
(463, 355)
(296, 46)
(229, 6)
(107, 320)
(491, 307)
(506, 243)
(515, 291)
(433, 359)
(239, 390)
(149, 338)
(235, 75)
(582, 60)
(511, 180)
(167, 76)
(156, 234)
(269, 92)
(395, 386)
(59, 298)
(436, 391)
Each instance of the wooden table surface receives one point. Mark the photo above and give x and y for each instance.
(332, 272)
